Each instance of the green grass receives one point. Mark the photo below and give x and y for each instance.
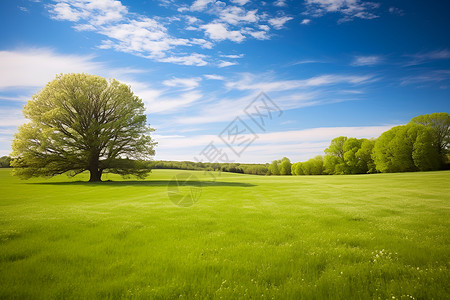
(248, 237)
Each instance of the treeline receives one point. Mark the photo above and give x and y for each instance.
(420, 145)
(5, 162)
(255, 169)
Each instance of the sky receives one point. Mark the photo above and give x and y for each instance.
(240, 80)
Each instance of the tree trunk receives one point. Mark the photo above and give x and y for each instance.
(96, 175)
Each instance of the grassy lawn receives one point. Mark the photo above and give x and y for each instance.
(249, 237)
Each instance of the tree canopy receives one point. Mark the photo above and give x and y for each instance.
(440, 125)
(406, 148)
(421, 145)
(82, 122)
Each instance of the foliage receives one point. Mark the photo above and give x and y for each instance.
(280, 167)
(349, 156)
(406, 148)
(334, 156)
(83, 122)
(5, 162)
(285, 166)
(440, 124)
(314, 166)
(364, 155)
(421, 145)
(254, 169)
(273, 168)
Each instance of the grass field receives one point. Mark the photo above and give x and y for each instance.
(380, 236)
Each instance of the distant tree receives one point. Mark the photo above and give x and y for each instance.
(83, 122)
(353, 164)
(273, 168)
(313, 166)
(5, 161)
(316, 165)
(364, 154)
(406, 148)
(425, 154)
(285, 166)
(334, 156)
(296, 169)
(440, 124)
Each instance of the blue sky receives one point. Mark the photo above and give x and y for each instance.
(329, 68)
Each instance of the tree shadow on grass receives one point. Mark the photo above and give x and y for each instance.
(144, 183)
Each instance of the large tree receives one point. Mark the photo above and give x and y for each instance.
(440, 124)
(406, 148)
(82, 122)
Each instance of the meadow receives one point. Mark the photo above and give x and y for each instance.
(379, 236)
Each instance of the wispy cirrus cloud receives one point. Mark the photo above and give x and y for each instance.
(183, 83)
(248, 82)
(34, 67)
(289, 94)
(223, 64)
(424, 57)
(349, 9)
(214, 77)
(427, 77)
(369, 60)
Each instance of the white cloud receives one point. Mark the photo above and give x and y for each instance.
(14, 99)
(36, 67)
(248, 82)
(350, 9)
(232, 55)
(200, 5)
(223, 64)
(427, 77)
(191, 20)
(280, 3)
(165, 104)
(305, 21)
(279, 22)
(257, 34)
(305, 61)
(220, 32)
(423, 57)
(235, 15)
(203, 43)
(367, 60)
(63, 11)
(159, 101)
(11, 117)
(127, 32)
(396, 11)
(96, 12)
(184, 83)
(240, 2)
(149, 37)
(214, 77)
(194, 59)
